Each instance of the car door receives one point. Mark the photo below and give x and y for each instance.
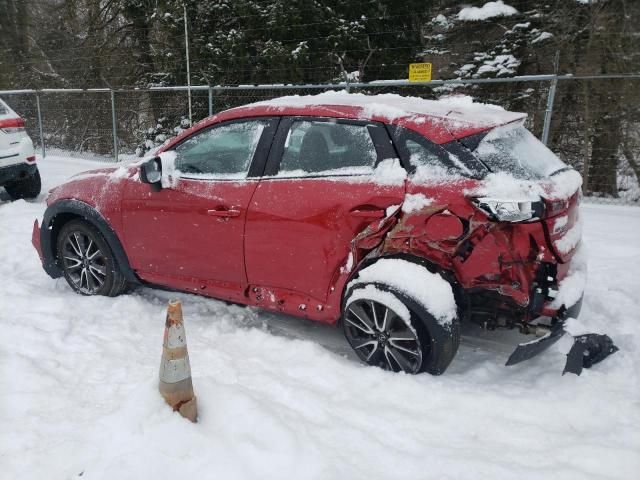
(190, 235)
(320, 190)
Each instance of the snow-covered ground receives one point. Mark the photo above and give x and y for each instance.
(284, 398)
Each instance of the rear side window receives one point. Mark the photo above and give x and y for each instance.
(223, 152)
(315, 148)
(426, 160)
(3, 108)
(515, 150)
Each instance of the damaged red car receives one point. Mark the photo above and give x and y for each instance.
(396, 218)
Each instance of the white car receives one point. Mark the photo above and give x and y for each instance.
(18, 170)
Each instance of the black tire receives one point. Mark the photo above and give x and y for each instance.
(87, 261)
(27, 187)
(435, 343)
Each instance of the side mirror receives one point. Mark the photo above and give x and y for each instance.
(151, 173)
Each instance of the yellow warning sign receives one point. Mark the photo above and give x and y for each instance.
(419, 72)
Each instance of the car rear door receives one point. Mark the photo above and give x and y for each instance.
(322, 187)
(190, 235)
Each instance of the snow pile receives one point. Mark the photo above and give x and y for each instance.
(564, 184)
(441, 20)
(389, 172)
(542, 37)
(571, 239)
(414, 202)
(434, 174)
(371, 292)
(503, 185)
(573, 285)
(500, 65)
(391, 106)
(429, 289)
(488, 10)
(170, 173)
(560, 223)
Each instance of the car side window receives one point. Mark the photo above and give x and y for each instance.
(420, 156)
(314, 148)
(428, 160)
(224, 151)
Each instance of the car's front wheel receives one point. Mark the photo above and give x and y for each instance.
(27, 187)
(390, 329)
(87, 261)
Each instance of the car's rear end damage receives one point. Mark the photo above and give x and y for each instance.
(507, 275)
(511, 246)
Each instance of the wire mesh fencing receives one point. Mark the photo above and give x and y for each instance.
(592, 123)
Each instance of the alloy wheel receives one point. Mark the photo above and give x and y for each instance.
(381, 337)
(84, 262)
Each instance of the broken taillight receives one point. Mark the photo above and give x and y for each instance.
(554, 207)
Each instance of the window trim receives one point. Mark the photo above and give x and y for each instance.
(256, 164)
(378, 134)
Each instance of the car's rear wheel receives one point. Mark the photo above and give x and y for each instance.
(391, 330)
(27, 187)
(87, 261)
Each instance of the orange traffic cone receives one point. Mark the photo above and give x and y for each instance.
(175, 371)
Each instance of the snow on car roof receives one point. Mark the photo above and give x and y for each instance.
(440, 121)
(392, 106)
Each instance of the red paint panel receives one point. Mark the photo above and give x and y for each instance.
(172, 235)
(443, 227)
(299, 231)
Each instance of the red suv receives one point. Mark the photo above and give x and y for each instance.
(395, 217)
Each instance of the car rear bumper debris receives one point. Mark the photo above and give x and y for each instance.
(35, 240)
(41, 241)
(586, 351)
(528, 350)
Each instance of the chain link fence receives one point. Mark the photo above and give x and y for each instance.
(571, 114)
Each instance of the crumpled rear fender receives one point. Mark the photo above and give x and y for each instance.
(456, 238)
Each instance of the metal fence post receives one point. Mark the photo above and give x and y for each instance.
(114, 125)
(549, 111)
(44, 151)
(210, 101)
(550, 98)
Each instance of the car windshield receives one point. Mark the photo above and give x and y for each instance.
(515, 150)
